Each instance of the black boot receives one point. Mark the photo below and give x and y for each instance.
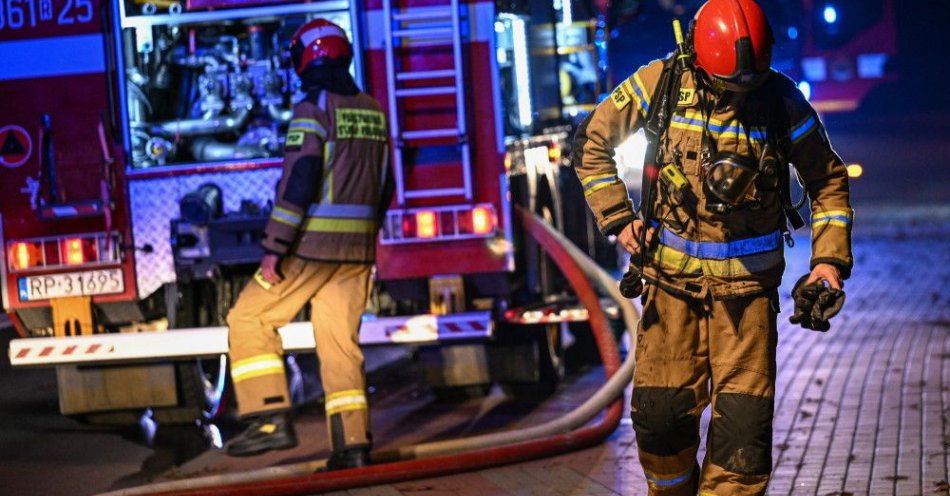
(348, 458)
(269, 432)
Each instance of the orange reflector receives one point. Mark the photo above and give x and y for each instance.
(73, 250)
(482, 220)
(855, 170)
(425, 224)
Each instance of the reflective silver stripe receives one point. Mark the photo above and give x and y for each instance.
(384, 169)
(257, 366)
(341, 211)
(286, 217)
(344, 403)
(307, 126)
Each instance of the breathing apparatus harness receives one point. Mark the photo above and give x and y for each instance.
(728, 176)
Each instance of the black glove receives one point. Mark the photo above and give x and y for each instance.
(815, 304)
(631, 285)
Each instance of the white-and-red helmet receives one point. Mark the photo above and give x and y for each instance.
(320, 43)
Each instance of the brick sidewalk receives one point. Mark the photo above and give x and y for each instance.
(863, 409)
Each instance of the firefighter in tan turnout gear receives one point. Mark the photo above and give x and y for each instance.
(320, 243)
(723, 128)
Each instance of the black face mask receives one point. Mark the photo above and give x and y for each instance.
(738, 86)
(729, 178)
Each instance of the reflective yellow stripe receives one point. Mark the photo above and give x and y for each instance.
(599, 187)
(830, 222)
(327, 196)
(666, 481)
(691, 120)
(285, 216)
(641, 95)
(351, 399)
(307, 126)
(257, 366)
(589, 179)
(836, 218)
(344, 394)
(677, 260)
(743, 266)
(833, 213)
(326, 224)
(730, 267)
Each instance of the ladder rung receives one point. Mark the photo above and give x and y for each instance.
(431, 193)
(417, 75)
(426, 14)
(430, 133)
(423, 33)
(435, 90)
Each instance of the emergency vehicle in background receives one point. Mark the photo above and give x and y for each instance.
(141, 146)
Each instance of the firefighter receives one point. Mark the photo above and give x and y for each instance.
(717, 211)
(320, 245)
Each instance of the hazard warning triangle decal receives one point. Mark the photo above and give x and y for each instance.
(15, 146)
(11, 145)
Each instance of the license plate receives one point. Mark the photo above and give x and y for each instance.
(88, 283)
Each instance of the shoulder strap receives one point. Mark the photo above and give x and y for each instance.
(778, 131)
(657, 120)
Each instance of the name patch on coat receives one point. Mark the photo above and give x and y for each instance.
(622, 95)
(294, 142)
(687, 95)
(294, 138)
(354, 123)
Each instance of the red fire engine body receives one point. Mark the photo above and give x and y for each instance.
(142, 143)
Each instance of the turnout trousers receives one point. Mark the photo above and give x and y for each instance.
(693, 352)
(337, 294)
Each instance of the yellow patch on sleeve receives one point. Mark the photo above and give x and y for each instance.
(294, 139)
(623, 95)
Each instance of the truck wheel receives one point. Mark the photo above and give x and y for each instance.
(201, 388)
(540, 353)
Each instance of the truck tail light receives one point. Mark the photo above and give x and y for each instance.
(482, 220)
(426, 224)
(73, 253)
(66, 251)
(439, 224)
(26, 255)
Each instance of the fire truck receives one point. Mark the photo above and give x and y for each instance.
(141, 145)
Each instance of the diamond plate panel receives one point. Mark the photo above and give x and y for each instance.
(154, 203)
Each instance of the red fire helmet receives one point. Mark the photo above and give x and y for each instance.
(733, 42)
(320, 43)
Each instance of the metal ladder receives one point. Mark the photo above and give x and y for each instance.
(437, 23)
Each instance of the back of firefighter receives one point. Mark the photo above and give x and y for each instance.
(714, 261)
(320, 243)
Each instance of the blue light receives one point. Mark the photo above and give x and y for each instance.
(792, 33)
(805, 88)
(831, 14)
